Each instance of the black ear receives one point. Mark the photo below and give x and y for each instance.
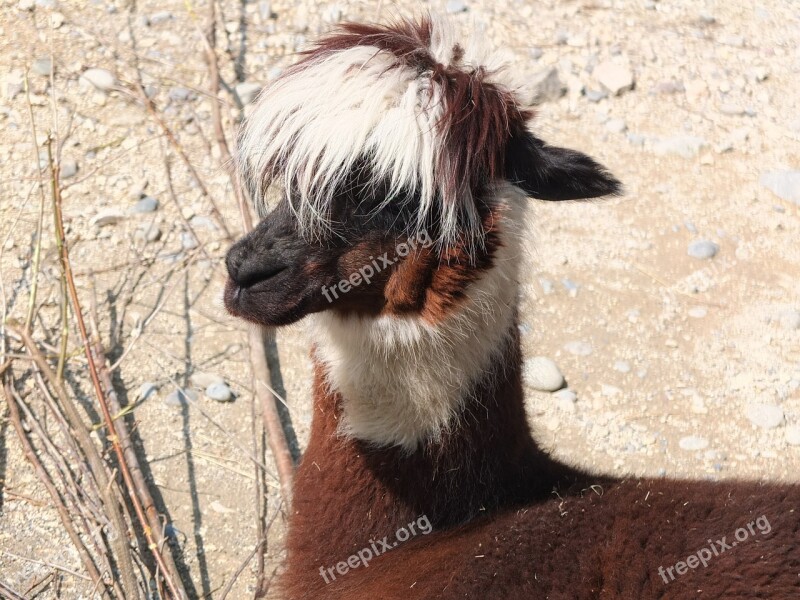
(550, 173)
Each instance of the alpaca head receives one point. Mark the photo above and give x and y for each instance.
(396, 147)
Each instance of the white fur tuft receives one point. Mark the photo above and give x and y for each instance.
(312, 126)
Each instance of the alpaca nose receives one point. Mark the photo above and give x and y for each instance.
(246, 268)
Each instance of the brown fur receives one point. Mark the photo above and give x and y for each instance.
(501, 530)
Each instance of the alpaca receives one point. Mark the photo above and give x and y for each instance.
(407, 163)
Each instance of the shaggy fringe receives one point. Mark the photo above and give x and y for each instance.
(405, 108)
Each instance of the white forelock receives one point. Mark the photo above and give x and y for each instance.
(313, 126)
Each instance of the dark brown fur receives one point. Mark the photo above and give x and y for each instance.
(511, 523)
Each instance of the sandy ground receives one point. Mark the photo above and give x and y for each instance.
(680, 366)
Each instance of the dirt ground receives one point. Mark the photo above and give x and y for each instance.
(680, 366)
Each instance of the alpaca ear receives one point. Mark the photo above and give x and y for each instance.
(551, 173)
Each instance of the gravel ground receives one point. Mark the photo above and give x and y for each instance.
(672, 312)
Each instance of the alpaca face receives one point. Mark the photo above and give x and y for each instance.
(384, 136)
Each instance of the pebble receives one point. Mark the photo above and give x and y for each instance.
(456, 6)
(542, 374)
(703, 249)
(698, 312)
(42, 66)
(204, 380)
(616, 78)
(616, 125)
(547, 285)
(790, 320)
(180, 397)
(181, 94)
(148, 204)
(547, 86)
(669, 86)
(161, 16)
(578, 348)
(102, 79)
(265, 10)
(69, 168)
(792, 435)
(565, 400)
(25, 4)
(766, 416)
(687, 146)
(219, 392)
(570, 286)
(622, 366)
(148, 233)
(595, 95)
(693, 443)
(107, 216)
(784, 184)
(147, 389)
(247, 92)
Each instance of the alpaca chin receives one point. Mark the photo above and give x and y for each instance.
(404, 378)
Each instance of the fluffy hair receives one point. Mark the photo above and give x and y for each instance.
(400, 107)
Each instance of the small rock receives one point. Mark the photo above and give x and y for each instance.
(578, 348)
(148, 204)
(687, 146)
(102, 79)
(69, 168)
(542, 374)
(784, 184)
(693, 443)
(219, 392)
(181, 94)
(107, 216)
(146, 390)
(205, 380)
(790, 320)
(180, 397)
(161, 16)
(616, 78)
(265, 10)
(698, 312)
(703, 249)
(669, 86)
(536, 53)
(616, 125)
(570, 286)
(547, 87)
(148, 233)
(56, 20)
(792, 435)
(456, 6)
(25, 4)
(622, 366)
(565, 400)
(547, 285)
(188, 241)
(247, 92)
(42, 66)
(766, 416)
(595, 95)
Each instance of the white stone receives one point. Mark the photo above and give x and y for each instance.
(693, 443)
(614, 77)
(542, 374)
(102, 79)
(766, 416)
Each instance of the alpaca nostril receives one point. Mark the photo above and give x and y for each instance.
(253, 272)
